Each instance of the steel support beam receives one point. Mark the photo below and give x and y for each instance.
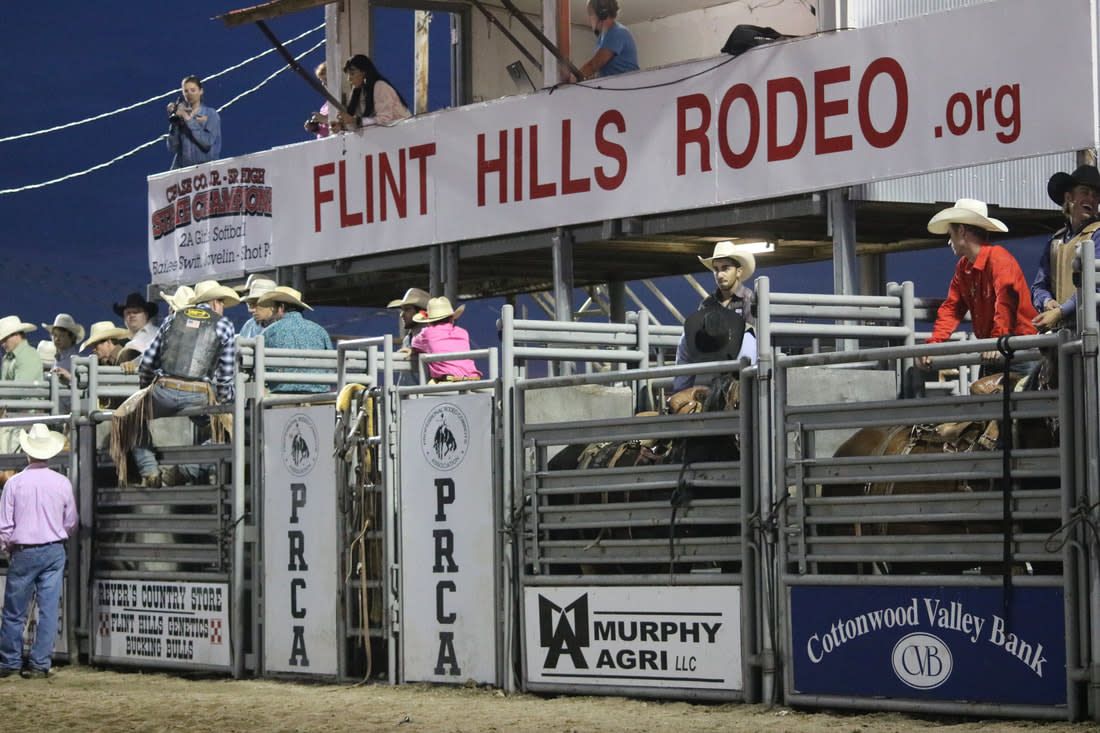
(563, 275)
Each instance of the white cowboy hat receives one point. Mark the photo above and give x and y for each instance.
(413, 296)
(966, 211)
(40, 442)
(47, 351)
(208, 290)
(258, 287)
(180, 299)
(282, 294)
(248, 283)
(12, 324)
(438, 309)
(65, 321)
(103, 330)
(727, 250)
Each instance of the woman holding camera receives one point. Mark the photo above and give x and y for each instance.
(373, 98)
(195, 130)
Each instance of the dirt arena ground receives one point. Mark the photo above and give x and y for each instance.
(89, 700)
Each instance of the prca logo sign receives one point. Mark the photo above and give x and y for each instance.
(300, 445)
(445, 437)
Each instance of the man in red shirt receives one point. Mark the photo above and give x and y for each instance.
(988, 282)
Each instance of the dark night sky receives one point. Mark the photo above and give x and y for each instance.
(80, 245)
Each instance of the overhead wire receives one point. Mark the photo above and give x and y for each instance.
(135, 105)
(154, 141)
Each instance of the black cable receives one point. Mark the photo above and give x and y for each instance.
(1006, 474)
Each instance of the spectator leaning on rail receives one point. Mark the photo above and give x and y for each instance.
(988, 282)
(731, 268)
(194, 129)
(191, 362)
(414, 301)
(374, 100)
(290, 330)
(139, 316)
(37, 514)
(254, 288)
(616, 52)
(1052, 291)
(107, 340)
(440, 335)
(66, 334)
(21, 362)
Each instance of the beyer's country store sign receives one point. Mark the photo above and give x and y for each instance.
(804, 115)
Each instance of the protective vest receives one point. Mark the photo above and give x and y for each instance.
(190, 346)
(1061, 260)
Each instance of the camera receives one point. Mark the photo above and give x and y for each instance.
(173, 116)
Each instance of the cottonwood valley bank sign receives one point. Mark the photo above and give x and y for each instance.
(930, 643)
(668, 637)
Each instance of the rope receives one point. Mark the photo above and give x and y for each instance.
(135, 105)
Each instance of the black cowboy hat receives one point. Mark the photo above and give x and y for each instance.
(1059, 183)
(713, 334)
(135, 300)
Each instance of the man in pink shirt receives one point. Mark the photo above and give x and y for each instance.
(440, 335)
(37, 514)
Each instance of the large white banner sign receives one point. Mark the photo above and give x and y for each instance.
(448, 536)
(685, 637)
(806, 115)
(300, 542)
(162, 623)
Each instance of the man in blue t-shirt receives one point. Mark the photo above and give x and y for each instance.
(615, 49)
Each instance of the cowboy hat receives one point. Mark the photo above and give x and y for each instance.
(438, 309)
(966, 211)
(727, 250)
(40, 442)
(1059, 183)
(47, 351)
(248, 283)
(12, 324)
(65, 321)
(282, 294)
(258, 287)
(180, 299)
(412, 296)
(103, 330)
(136, 300)
(713, 334)
(209, 290)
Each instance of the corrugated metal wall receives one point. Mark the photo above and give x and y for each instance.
(1017, 184)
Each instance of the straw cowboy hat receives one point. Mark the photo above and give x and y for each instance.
(47, 351)
(180, 299)
(12, 324)
(40, 442)
(282, 294)
(103, 330)
(966, 211)
(209, 290)
(249, 282)
(1059, 183)
(65, 321)
(438, 309)
(258, 287)
(728, 251)
(713, 334)
(413, 296)
(136, 300)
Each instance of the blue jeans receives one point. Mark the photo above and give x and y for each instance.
(167, 402)
(32, 571)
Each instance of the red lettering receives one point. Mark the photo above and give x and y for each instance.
(612, 150)
(368, 186)
(890, 67)
(346, 219)
(497, 165)
(568, 183)
(695, 135)
(538, 190)
(823, 109)
(319, 196)
(421, 153)
(396, 187)
(792, 86)
(733, 159)
(517, 164)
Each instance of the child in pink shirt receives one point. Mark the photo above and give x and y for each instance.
(440, 335)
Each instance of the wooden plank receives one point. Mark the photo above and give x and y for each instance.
(272, 9)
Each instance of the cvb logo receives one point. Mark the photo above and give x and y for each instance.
(922, 661)
(564, 631)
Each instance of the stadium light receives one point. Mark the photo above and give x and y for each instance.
(756, 248)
